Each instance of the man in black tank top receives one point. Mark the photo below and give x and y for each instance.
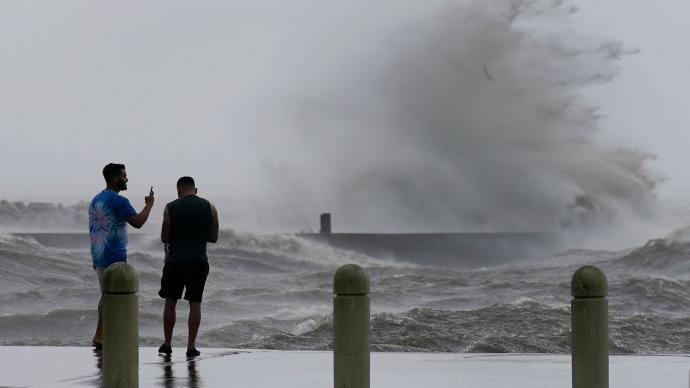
(189, 222)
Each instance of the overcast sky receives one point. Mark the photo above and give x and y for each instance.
(255, 100)
(647, 103)
(167, 87)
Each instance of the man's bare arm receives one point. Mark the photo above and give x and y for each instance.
(138, 220)
(165, 228)
(213, 235)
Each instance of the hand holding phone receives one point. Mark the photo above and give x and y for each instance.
(149, 198)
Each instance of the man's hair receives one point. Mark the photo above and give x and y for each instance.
(186, 181)
(112, 170)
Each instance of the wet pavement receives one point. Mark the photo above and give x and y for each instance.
(81, 367)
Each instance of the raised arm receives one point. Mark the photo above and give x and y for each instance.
(138, 220)
(213, 235)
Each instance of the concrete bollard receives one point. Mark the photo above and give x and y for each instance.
(590, 338)
(351, 327)
(120, 327)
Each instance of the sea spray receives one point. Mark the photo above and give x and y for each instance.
(471, 119)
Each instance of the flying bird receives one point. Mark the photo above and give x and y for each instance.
(486, 73)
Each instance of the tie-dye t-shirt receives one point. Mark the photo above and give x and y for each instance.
(108, 213)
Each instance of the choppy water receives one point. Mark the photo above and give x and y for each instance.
(275, 291)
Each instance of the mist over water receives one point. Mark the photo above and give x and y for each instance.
(441, 116)
(471, 119)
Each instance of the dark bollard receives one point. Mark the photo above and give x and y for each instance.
(120, 327)
(590, 339)
(351, 327)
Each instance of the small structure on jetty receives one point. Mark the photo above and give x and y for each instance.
(442, 249)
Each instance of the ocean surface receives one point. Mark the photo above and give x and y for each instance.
(275, 292)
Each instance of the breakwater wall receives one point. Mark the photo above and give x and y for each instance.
(445, 249)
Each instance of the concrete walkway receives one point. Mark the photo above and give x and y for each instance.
(224, 368)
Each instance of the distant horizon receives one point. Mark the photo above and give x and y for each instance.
(248, 224)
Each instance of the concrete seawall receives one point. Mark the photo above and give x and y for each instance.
(445, 249)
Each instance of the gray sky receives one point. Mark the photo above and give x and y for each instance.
(282, 110)
(646, 105)
(167, 87)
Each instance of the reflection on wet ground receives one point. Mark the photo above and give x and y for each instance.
(169, 380)
(70, 367)
(99, 359)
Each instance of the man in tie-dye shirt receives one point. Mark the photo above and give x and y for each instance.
(108, 213)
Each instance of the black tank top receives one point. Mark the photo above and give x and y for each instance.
(190, 225)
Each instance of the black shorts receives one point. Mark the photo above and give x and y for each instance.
(188, 276)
